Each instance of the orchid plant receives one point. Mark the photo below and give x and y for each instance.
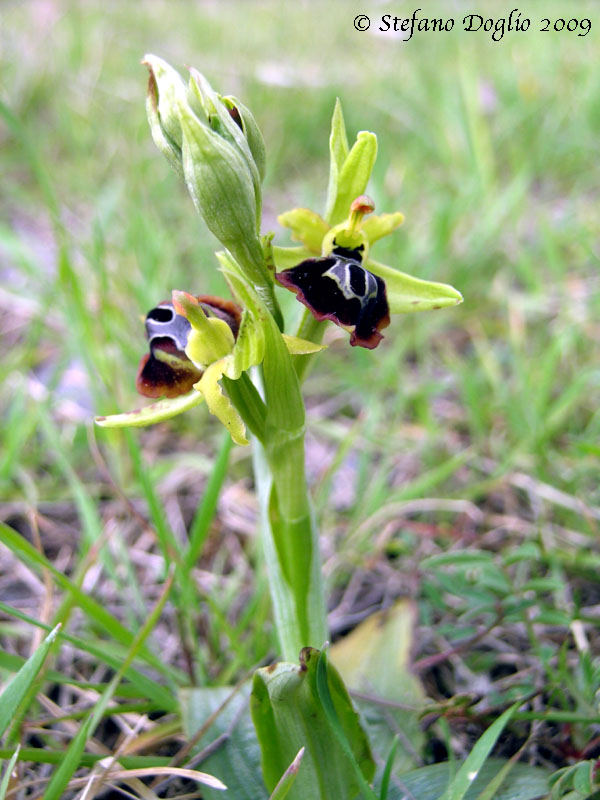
(237, 357)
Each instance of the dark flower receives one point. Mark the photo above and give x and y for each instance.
(166, 371)
(337, 287)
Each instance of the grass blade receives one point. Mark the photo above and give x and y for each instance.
(18, 687)
(72, 758)
(387, 771)
(208, 506)
(288, 778)
(8, 773)
(27, 553)
(477, 758)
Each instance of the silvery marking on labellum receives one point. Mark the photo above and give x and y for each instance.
(340, 289)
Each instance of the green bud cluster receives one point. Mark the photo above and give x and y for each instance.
(216, 145)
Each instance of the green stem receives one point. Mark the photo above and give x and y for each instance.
(288, 530)
(291, 547)
(312, 330)
(288, 533)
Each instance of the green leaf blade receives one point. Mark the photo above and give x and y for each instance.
(17, 688)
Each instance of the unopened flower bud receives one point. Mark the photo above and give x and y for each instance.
(247, 123)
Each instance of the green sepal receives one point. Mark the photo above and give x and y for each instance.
(406, 294)
(338, 153)
(307, 227)
(353, 177)
(379, 225)
(156, 412)
(162, 140)
(169, 91)
(289, 713)
(253, 135)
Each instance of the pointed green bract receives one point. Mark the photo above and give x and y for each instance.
(287, 779)
(220, 183)
(288, 714)
(223, 123)
(406, 294)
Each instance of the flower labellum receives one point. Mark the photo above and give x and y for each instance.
(166, 371)
(337, 287)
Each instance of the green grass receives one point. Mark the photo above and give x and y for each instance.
(490, 150)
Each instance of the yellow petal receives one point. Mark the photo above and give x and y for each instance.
(378, 226)
(217, 401)
(306, 226)
(301, 347)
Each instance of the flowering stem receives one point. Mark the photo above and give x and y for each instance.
(290, 546)
(276, 417)
(312, 330)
